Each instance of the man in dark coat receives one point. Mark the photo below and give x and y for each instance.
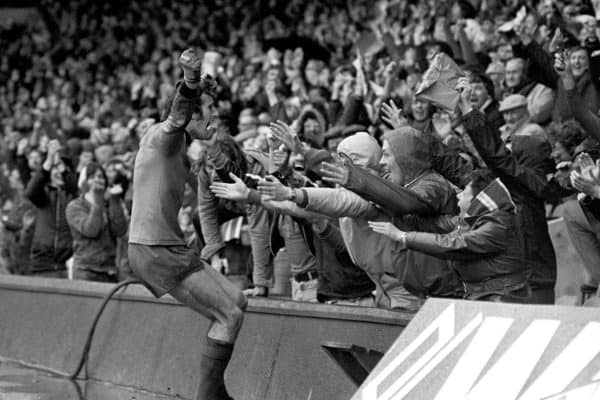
(523, 170)
(50, 190)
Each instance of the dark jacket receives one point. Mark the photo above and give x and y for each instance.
(95, 231)
(52, 242)
(493, 114)
(524, 172)
(428, 193)
(541, 69)
(482, 247)
(586, 117)
(443, 159)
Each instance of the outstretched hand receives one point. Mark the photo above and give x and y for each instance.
(273, 189)
(388, 229)
(391, 115)
(236, 191)
(335, 173)
(191, 64)
(287, 135)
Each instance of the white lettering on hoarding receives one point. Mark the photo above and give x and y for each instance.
(442, 325)
(565, 368)
(475, 357)
(505, 379)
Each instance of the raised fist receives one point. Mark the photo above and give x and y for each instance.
(191, 65)
(22, 146)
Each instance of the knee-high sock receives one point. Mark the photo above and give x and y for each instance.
(215, 357)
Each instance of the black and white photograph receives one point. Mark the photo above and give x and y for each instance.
(299, 199)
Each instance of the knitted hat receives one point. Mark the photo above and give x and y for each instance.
(362, 148)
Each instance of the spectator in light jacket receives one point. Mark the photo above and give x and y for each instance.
(96, 223)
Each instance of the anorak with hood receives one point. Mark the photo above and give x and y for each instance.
(384, 260)
(375, 254)
(426, 193)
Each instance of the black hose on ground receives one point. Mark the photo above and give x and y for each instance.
(88, 341)
(90, 336)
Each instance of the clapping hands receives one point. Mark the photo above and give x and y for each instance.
(587, 179)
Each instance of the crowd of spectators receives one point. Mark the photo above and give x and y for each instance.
(321, 146)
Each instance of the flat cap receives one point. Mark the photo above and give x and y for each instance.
(513, 101)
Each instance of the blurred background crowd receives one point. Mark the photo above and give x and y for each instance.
(348, 178)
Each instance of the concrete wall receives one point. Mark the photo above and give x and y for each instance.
(154, 344)
(570, 271)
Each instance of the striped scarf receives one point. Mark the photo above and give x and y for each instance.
(495, 196)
